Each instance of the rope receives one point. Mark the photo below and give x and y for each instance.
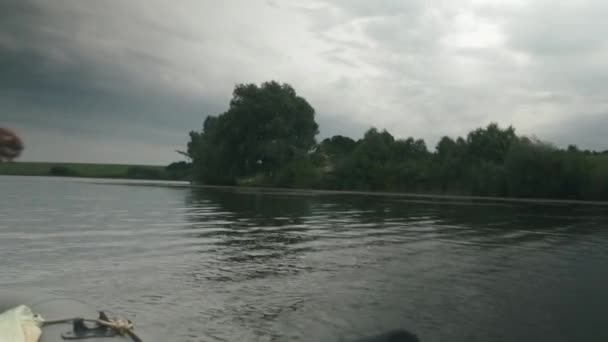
(121, 326)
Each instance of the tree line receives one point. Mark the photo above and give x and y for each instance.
(267, 137)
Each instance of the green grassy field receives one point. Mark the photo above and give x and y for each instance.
(83, 170)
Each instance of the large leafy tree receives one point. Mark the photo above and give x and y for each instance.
(264, 128)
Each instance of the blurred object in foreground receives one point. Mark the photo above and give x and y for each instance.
(10, 145)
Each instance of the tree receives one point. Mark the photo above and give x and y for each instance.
(143, 172)
(62, 171)
(491, 143)
(298, 173)
(597, 186)
(332, 151)
(533, 169)
(209, 157)
(264, 128)
(267, 137)
(450, 163)
(337, 146)
(179, 170)
(409, 149)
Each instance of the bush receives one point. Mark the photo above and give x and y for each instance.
(299, 173)
(597, 185)
(142, 172)
(536, 169)
(62, 171)
(488, 179)
(179, 170)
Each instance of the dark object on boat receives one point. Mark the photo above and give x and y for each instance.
(392, 336)
(80, 330)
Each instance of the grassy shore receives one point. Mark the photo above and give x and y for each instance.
(83, 170)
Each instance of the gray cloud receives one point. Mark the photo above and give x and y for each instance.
(93, 76)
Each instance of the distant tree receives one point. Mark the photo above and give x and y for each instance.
(179, 170)
(338, 146)
(491, 143)
(264, 129)
(597, 185)
(379, 162)
(298, 173)
(142, 172)
(367, 167)
(487, 178)
(409, 149)
(267, 137)
(573, 149)
(445, 148)
(451, 164)
(332, 151)
(538, 169)
(62, 171)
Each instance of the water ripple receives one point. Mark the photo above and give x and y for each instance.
(219, 265)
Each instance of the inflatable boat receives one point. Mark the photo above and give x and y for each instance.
(51, 319)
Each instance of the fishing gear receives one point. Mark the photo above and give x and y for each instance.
(102, 327)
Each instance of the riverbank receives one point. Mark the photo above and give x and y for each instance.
(430, 198)
(118, 172)
(86, 170)
(404, 194)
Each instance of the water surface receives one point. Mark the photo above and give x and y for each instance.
(235, 265)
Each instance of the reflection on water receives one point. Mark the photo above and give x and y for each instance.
(242, 265)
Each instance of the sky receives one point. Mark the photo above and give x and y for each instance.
(125, 81)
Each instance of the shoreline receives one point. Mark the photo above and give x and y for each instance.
(187, 185)
(320, 192)
(401, 194)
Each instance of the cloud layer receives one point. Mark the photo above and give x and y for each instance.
(125, 81)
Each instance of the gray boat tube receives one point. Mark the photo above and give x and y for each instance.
(54, 308)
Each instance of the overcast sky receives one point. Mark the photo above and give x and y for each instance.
(125, 81)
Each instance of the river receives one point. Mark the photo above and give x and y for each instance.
(243, 265)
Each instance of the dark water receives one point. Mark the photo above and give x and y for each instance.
(210, 265)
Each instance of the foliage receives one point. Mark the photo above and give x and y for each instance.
(78, 169)
(298, 173)
(332, 150)
(179, 170)
(264, 128)
(142, 172)
(450, 163)
(537, 169)
(267, 137)
(597, 181)
(62, 171)
(490, 144)
(379, 162)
